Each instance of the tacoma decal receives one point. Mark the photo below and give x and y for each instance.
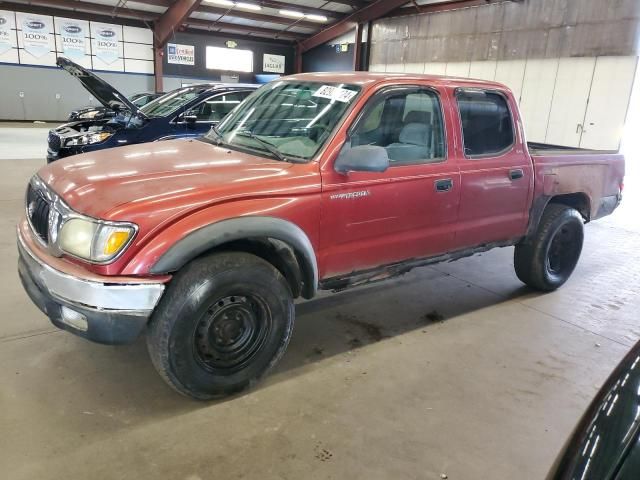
(350, 195)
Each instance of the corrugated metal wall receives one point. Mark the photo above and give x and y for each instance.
(510, 31)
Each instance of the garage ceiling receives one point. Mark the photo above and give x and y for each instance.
(306, 22)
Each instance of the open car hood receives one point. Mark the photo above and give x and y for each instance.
(101, 90)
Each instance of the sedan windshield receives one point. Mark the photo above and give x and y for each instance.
(286, 119)
(170, 102)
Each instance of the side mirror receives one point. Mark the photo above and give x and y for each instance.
(363, 158)
(189, 116)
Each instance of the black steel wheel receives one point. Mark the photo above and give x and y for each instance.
(231, 332)
(546, 261)
(223, 323)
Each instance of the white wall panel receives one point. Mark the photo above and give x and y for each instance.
(137, 35)
(435, 68)
(537, 92)
(511, 73)
(414, 67)
(138, 51)
(569, 103)
(395, 67)
(457, 69)
(608, 101)
(485, 70)
(138, 66)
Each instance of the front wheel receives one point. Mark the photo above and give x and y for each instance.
(224, 322)
(547, 260)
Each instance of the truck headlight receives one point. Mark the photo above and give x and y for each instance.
(95, 240)
(88, 138)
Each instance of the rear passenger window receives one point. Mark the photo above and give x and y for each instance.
(486, 122)
(408, 125)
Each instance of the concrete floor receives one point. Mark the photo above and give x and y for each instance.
(454, 369)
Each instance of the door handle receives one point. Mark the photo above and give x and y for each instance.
(443, 185)
(516, 174)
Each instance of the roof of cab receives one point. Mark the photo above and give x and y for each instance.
(367, 79)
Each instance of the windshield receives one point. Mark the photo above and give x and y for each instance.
(172, 101)
(286, 119)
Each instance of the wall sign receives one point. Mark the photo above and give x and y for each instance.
(5, 31)
(72, 34)
(36, 34)
(180, 54)
(231, 43)
(107, 41)
(273, 63)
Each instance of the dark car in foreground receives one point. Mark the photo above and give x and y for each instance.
(185, 112)
(97, 112)
(606, 443)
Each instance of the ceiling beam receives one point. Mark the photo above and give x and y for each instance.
(300, 8)
(372, 11)
(258, 17)
(172, 19)
(356, 5)
(80, 15)
(441, 7)
(78, 6)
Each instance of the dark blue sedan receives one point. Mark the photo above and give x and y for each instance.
(186, 112)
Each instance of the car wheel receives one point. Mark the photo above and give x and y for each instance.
(224, 322)
(546, 261)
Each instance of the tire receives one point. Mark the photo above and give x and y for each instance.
(223, 323)
(546, 261)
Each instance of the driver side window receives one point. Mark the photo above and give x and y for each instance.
(409, 125)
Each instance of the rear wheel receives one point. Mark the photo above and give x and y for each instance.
(223, 323)
(548, 259)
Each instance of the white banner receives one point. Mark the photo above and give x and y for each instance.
(273, 63)
(181, 54)
(106, 44)
(6, 35)
(36, 34)
(72, 34)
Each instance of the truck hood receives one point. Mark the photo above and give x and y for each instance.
(101, 90)
(166, 178)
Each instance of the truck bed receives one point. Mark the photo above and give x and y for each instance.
(544, 149)
(596, 174)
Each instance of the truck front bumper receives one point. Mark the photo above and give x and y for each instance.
(102, 309)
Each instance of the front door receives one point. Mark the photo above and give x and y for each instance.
(495, 169)
(409, 211)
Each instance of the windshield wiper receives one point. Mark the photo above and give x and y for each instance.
(268, 145)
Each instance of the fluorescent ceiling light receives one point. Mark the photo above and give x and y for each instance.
(224, 3)
(291, 13)
(248, 6)
(317, 18)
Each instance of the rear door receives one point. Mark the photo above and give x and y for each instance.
(496, 172)
(409, 211)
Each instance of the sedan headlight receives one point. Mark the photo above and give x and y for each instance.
(94, 240)
(88, 138)
(89, 114)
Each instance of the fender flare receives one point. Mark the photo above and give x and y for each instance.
(241, 228)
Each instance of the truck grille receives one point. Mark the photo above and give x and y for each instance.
(38, 212)
(54, 142)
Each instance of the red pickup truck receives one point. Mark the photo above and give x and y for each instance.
(316, 181)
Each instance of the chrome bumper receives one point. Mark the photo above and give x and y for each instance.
(114, 310)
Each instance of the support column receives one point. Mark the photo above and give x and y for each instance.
(158, 55)
(357, 56)
(298, 61)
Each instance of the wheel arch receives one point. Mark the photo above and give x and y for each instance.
(579, 201)
(280, 242)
